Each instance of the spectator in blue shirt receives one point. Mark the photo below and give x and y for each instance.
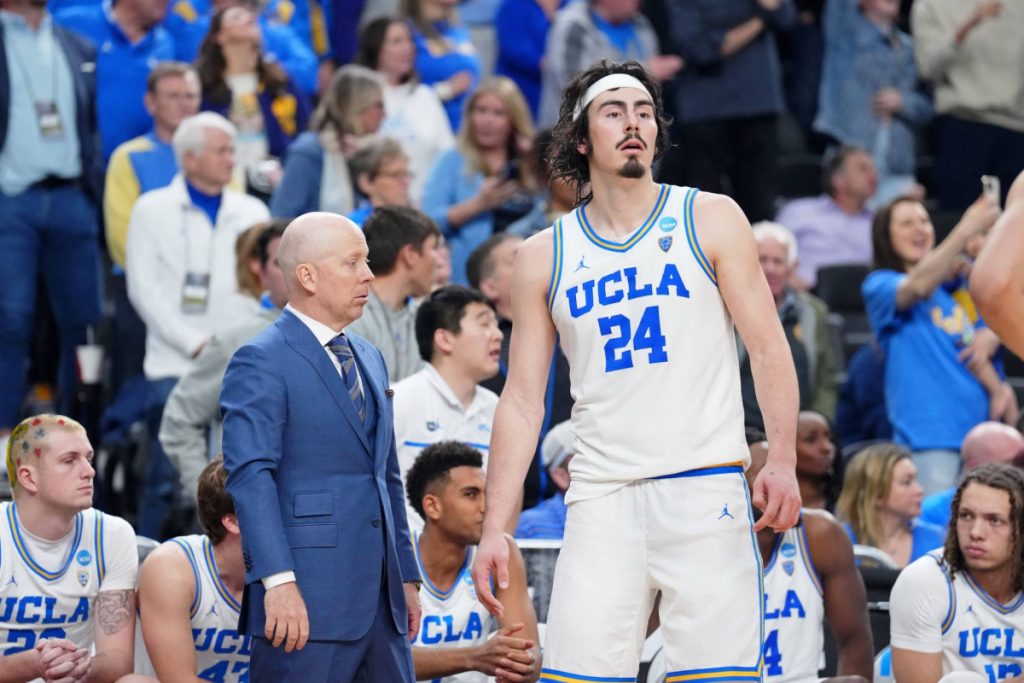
(547, 518)
(939, 377)
(129, 41)
(50, 183)
(860, 411)
(445, 56)
(256, 95)
(881, 502)
(484, 183)
(522, 28)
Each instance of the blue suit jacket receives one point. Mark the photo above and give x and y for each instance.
(312, 494)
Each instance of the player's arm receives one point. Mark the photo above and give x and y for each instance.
(520, 410)
(166, 592)
(523, 665)
(909, 666)
(21, 667)
(997, 279)
(919, 603)
(114, 636)
(725, 234)
(844, 595)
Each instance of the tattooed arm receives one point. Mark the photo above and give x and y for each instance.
(115, 636)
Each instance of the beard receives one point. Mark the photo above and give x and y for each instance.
(632, 169)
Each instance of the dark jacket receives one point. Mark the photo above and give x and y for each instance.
(81, 56)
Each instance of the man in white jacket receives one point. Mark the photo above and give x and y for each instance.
(180, 267)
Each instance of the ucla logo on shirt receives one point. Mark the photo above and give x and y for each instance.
(667, 224)
(788, 550)
(483, 427)
(433, 425)
(84, 557)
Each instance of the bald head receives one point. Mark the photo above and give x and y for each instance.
(323, 257)
(991, 442)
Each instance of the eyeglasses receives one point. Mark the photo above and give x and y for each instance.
(179, 96)
(397, 175)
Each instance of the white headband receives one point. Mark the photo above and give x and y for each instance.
(609, 82)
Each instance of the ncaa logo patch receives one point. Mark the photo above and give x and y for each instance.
(788, 550)
(667, 224)
(665, 243)
(83, 557)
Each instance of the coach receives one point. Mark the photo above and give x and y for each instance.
(310, 453)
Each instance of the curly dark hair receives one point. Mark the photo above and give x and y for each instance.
(998, 476)
(433, 464)
(210, 64)
(564, 159)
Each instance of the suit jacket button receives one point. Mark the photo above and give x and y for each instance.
(376, 523)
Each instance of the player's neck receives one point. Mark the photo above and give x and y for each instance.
(998, 582)
(441, 557)
(620, 205)
(462, 385)
(43, 521)
(228, 556)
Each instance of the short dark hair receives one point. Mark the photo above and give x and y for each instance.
(274, 230)
(443, 310)
(998, 476)
(213, 500)
(167, 69)
(480, 265)
(564, 159)
(389, 228)
(432, 466)
(884, 254)
(832, 163)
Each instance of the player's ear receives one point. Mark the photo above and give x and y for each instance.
(230, 522)
(432, 506)
(28, 476)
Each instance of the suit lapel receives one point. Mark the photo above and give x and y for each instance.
(374, 382)
(300, 338)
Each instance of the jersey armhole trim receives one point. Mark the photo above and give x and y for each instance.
(805, 554)
(218, 584)
(556, 266)
(101, 559)
(947, 621)
(190, 556)
(691, 236)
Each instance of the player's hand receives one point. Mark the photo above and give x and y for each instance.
(491, 560)
(63, 665)
(287, 621)
(412, 605)
(777, 495)
(508, 657)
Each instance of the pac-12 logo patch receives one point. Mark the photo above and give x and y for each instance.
(788, 550)
(787, 567)
(665, 243)
(83, 557)
(83, 577)
(667, 224)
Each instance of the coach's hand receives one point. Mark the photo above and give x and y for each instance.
(287, 621)
(412, 605)
(777, 495)
(491, 560)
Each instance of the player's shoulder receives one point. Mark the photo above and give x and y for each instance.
(719, 221)
(713, 204)
(821, 522)
(170, 559)
(926, 573)
(114, 529)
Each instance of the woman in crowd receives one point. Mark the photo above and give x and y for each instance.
(445, 57)
(817, 473)
(939, 378)
(381, 171)
(316, 172)
(413, 113)
(881, 501)
(254, 94)
(483, 184)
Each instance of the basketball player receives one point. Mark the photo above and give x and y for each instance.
(190, 592)
(642, 284)
(67, 571)
(446, 487)
(962, 608)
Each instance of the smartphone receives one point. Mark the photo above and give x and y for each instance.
(511, 171)
(990, 187)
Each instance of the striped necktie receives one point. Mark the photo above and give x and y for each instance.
(339, 346)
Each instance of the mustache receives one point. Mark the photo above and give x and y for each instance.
(629, 137)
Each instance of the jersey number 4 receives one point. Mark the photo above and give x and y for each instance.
(772, 656)
(618, 350)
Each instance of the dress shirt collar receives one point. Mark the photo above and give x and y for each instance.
(435, 379)
(13, 21)
(323, 333)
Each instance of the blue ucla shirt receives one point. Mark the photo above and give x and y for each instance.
(933, 398)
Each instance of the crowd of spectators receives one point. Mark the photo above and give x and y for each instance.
(151, 155)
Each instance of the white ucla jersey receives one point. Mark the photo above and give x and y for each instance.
(222, 654)
(651, 350)
(452, 618)
(930, 609)
(48, 589)
(794, 611)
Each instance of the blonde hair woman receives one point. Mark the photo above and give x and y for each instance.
(316, 173)
(484, 183)
(881, 501)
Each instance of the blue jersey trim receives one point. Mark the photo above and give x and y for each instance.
(947, 621)
(644, 228)
(35, 567)
(190, 556)
(430, 587)
(988, 599)
(101, 558)
(774, 554)
(760, 577)
(424, 444)
(556, 266)
(702, 472)
(691, 237)
(211, 568)
(805, 554)
(556, 676)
